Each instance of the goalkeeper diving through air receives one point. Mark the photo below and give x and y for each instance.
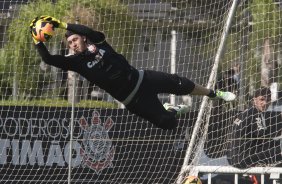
(138, 90)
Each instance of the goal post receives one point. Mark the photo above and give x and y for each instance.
(206, 106)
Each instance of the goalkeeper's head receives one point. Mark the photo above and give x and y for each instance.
(68, 33)
(262, 98)
(77, 43)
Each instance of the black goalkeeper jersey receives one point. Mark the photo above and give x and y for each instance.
(251, 139)
(100, 64)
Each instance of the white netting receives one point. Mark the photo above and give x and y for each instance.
(251, 60)
(110, 145)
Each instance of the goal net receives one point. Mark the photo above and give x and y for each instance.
(249, 59)
(56, 127)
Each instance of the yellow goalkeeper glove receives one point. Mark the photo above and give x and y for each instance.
(31, 29)
(57, 23)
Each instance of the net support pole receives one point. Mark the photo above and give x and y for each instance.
(209, 85)
(173, 60)
(15, 86)
(262, 179)
(73, 102)
(71, 130)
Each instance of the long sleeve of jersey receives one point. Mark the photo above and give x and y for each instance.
(64, 62)
(59, 61)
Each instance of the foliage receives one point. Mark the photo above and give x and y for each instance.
(254, 22)
(232, 51)
(266, 21)
(266, 25)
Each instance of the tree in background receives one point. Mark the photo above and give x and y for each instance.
(264, 42)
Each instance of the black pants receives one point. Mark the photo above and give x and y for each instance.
(146, 103)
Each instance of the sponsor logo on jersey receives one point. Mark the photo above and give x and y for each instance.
(260, 124)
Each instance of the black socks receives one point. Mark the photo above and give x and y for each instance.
(212, 94)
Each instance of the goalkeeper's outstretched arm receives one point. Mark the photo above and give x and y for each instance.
(95, 37)
(54, 60)
(65, 63)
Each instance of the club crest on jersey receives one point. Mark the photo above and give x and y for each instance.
(98, 56)
(237, 121)
(97, 150)
(260, 124)
(92, 48)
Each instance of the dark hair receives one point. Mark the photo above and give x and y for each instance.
(263, 91)
(69, 33)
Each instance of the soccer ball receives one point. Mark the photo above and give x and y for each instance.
(192, 180)
(42, 30)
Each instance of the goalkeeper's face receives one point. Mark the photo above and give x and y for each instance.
(77, 43)
(261, 103)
